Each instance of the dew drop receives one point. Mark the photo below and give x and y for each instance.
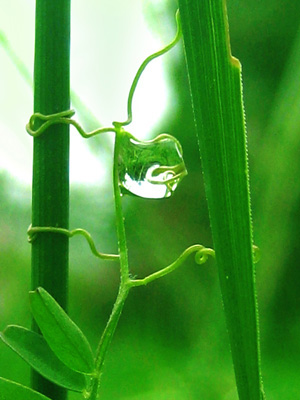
(150, 169)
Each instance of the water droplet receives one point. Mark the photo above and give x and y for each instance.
(150, 169)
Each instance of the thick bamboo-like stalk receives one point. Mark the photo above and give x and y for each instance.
(50, 190)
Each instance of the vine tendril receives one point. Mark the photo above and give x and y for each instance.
(201, 256)
(33, 231)
(63, 117)
(143, 66)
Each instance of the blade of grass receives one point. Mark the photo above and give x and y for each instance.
(50, 187)
(215, 84)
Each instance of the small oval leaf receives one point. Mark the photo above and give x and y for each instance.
(34, 349)
(62, 335)
(11, 390)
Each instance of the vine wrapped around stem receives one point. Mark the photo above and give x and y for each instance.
(37, 125)
(34, 230)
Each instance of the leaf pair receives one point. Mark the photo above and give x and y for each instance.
(62, 355)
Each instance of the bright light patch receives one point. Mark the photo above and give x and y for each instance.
(14, 159)
(109, 42)
(85, 167)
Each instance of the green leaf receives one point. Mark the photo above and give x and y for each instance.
(11, 390)
(215, 82)
(34, 349)
(62, 335)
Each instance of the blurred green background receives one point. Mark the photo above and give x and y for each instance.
(171, 343)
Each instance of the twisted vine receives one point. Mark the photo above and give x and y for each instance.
(33, 231)
(201, 255)
(38, 125)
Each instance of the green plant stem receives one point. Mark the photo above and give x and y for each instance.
(50, 189)
(124, 279)
(126, 283)
(106, 340)
(119, 212)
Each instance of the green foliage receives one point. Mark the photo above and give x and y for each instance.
(167, 169)
(34, 349)
(11, 390)
(62, 335)
(216, 90)
(172, 340)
